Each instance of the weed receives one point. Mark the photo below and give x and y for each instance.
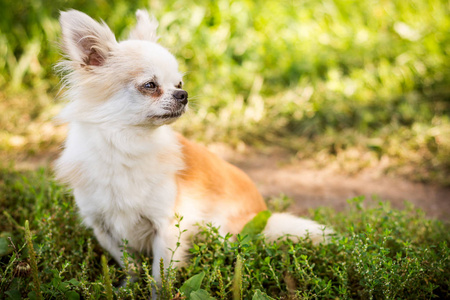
(34, 268)
(106, 278)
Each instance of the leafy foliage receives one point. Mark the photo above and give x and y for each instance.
(257, 224)
(378, 253)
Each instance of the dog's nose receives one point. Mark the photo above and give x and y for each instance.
(181, 95)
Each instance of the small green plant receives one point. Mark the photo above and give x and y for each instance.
(34, 268)
(106, 278)
(191, 288)
(237, 279)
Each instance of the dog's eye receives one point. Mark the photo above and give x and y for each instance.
(150, 85)
(179, 86)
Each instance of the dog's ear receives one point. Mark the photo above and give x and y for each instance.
(84, 40)
(145, 28)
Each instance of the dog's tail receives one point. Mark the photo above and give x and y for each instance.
(281, 224)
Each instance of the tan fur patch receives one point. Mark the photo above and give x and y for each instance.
(222, 189)
(156, 93)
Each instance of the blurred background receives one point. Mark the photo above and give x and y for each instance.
(357, 85)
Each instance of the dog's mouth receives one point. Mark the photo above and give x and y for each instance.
(170, 115)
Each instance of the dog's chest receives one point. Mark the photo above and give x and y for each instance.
(127, 201)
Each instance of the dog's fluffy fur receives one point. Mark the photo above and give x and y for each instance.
(129, 171)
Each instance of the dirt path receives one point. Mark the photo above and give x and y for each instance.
(309, 187)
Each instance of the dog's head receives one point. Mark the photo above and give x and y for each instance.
(132, 82)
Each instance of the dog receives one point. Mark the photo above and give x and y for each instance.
(129, 171)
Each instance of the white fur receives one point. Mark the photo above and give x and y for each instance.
(280, 224)
(146, 27)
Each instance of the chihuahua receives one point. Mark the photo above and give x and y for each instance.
(131, 174)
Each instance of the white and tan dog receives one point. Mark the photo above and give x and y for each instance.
(129, 171)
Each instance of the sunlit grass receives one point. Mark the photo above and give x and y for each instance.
(328, 78)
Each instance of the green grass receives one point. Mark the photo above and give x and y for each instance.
(325, 79)
(378, 253)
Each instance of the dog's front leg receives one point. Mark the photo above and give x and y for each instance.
(110, 244)
(160, 251)
(114, 248)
